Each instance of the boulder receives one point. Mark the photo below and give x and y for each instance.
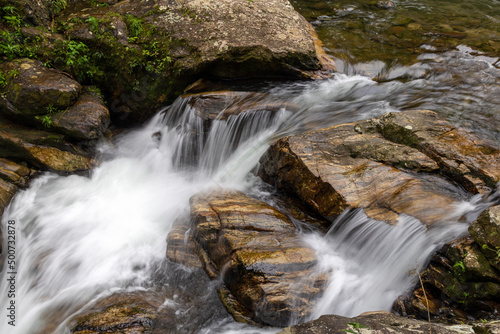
(405, 162)
(87, 119)
(231, 39)
(268, 274)
(486, 232)
(169, 44)
(383, 323)
(41, 149)
(34, 89)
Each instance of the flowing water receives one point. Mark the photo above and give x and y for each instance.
(83, 238)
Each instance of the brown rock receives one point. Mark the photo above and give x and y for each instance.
(125, 314)
(7, 191)
(387, 166)
(87, 119)
(42, 149)
(180, 244)
(14, 173)
(263, 264)
(35, 88)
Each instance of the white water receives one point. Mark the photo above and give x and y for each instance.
(79, 238)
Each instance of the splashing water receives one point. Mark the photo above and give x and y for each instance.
(80, 238)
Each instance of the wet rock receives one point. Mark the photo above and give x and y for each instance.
(387, 166)
(43, 150)
(267, 271)
(34, 89)
(219, 105)
(459, 284)
(14, 173)
(486, 232)
(7, 191)
(180, 244)
(370, 322)
(87, 119)
(125, 314)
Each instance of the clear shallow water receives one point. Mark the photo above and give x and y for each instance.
(83, 238)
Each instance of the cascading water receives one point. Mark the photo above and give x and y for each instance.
(82, 238)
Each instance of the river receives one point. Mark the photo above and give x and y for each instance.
(82, 238)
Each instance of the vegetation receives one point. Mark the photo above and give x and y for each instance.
(356, 326)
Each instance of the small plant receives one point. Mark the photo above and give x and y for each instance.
(59, 5)
(9, 45)
(47, 121)
(460, 266)
(355, 326)
(3, 80)
(51, 109)
(134, 25)
(93, 24)
(11, 16)
(99, 4)
(496, 251)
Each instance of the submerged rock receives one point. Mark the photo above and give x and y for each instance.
(387, 166)
(268, 274)
(382, 323)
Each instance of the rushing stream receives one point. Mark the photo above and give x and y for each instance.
(83, 238)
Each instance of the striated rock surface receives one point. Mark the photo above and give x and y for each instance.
(180, 244)
(388, 165)
(267, 273)
(383, 323)
(43, 150)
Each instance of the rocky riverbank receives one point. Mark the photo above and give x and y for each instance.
(73, 72)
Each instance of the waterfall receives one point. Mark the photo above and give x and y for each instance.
(79, 238)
